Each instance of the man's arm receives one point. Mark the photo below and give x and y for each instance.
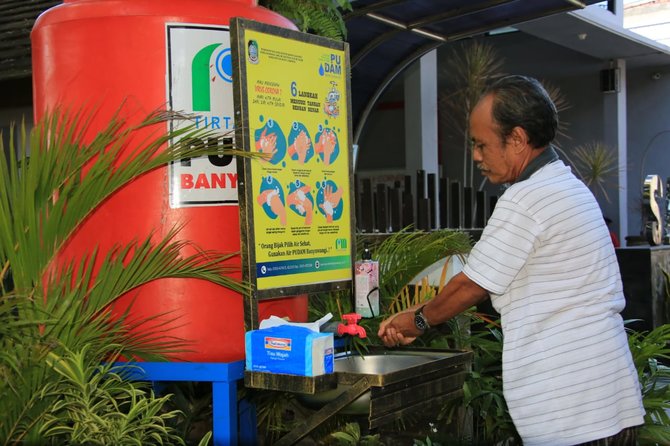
(458, 295)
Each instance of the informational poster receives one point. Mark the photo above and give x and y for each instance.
(200, 76)
(293, 101)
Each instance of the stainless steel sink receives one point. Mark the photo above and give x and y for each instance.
(379, 364)
(382, 369)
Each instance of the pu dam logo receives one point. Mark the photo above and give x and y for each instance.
(340, 244)
(202, 78)
(331, 64)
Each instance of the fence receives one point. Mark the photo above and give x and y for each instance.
(388, 206)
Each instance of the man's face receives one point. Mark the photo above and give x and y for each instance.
(496, 160)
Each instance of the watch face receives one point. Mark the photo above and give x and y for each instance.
(420, 322)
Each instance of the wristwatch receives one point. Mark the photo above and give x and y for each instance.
(420, 320)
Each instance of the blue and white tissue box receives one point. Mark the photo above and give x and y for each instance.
(290, 350)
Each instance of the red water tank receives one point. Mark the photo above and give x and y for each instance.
(141, 56)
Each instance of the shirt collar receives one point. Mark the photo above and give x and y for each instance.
(547, 156)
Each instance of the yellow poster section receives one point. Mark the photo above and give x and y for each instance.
(297, 108)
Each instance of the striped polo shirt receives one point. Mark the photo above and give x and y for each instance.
(548, 262)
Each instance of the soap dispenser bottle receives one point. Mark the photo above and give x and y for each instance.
(367, 285)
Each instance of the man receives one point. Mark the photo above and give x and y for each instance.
(546, 261)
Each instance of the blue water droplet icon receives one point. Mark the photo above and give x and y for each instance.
(321, 71)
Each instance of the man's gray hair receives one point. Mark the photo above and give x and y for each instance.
(521, 101)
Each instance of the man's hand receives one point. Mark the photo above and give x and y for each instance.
(399, 329)
(458, 295)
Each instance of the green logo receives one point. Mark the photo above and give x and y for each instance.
(201, 80)
(341, 243)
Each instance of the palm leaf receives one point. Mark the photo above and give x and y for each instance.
(469, 69)
(403, 255)
(51, 200)
(648, 348)
(596, 165)
(53, 347)
(561, 102)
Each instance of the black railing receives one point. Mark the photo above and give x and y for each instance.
(389, 206)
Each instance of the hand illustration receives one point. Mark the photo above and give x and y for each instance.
(330, 201)
(300, 146)
(267, 145)
(271, 198)
(326, 145)
(298, 198)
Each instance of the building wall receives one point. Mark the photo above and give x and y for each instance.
(648, 133)
(381, 146)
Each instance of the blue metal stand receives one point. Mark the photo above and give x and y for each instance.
(224, 377)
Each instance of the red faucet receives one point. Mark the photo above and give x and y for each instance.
(351, 328)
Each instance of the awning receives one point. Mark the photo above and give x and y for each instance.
(386, 36)
(585, 32)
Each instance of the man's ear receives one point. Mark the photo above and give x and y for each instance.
(518, 138)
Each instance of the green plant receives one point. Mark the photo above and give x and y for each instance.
(56, 330)
(426, 442)
(423, 292)
(350, 435)
(648, 348)
(561, 102)
(596, 164)
(275, 413)
(322, 17)
(482, 390)
(103, 407)
(470, 67)
(403, 255)
(192, 403)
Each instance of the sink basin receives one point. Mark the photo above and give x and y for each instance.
(383, 369)
(379, 364)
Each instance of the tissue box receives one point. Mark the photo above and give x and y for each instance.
(289, 350)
